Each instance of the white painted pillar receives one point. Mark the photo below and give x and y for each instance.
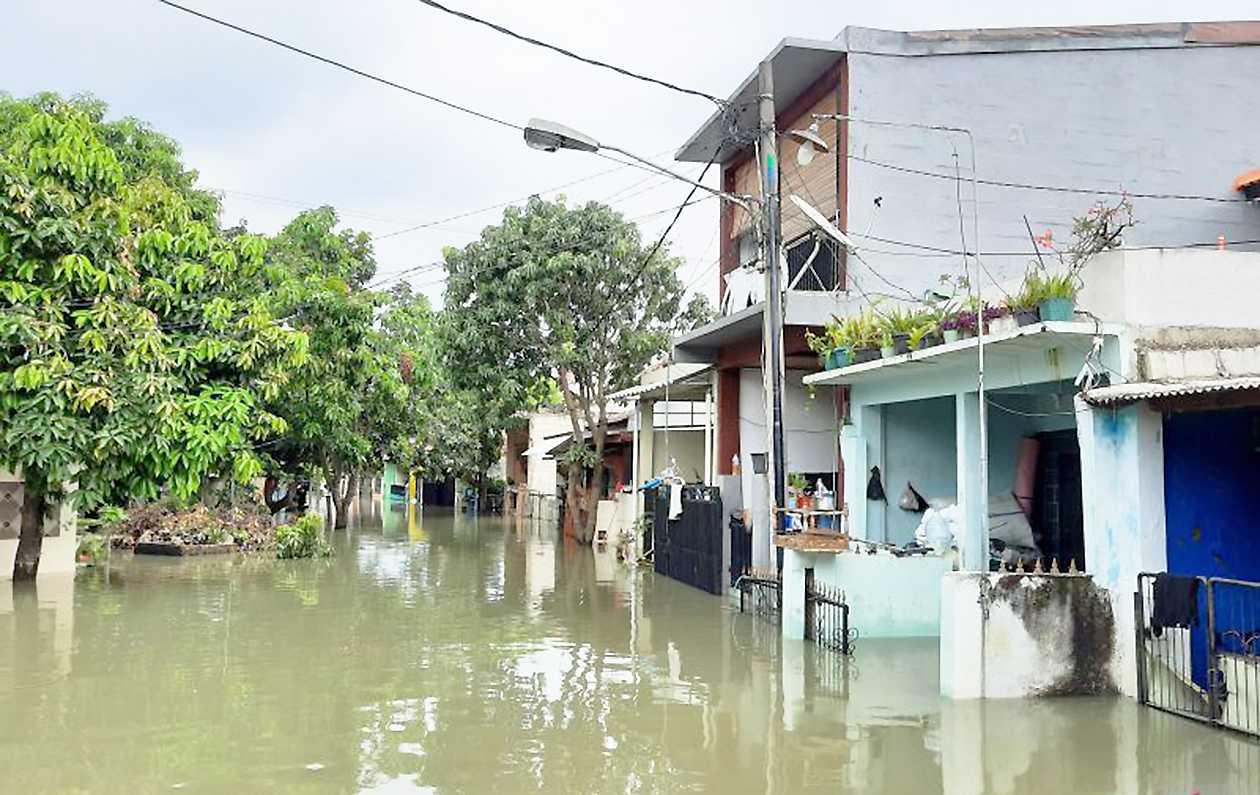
(708, 436)
(971, 502)
(869, 422)
(635, 480)
(1122, 493)
(793, 605)
(853, 452)
(647, 436)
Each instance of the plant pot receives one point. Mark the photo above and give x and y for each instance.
(791, 501)
(840, 357)
(888, 352)
(901, 342)
(862, 355)
(952, 335)
(1057, 309)
(805, 502)
(1026, 317)
(999, 325)
(929, 341)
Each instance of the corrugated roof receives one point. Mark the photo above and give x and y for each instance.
(1146, 390)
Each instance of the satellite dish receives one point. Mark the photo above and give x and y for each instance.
(819, 220)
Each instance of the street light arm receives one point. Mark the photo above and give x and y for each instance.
(745, 202)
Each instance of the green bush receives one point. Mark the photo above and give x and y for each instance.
(304, 538)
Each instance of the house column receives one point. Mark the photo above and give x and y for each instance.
(1122, 494)
(708, 437)
(971, 502)
(853, 452)
(646, 467)
(862, 447)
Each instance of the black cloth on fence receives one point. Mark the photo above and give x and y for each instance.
(1176, 601)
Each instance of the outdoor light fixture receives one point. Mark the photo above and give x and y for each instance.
(550, 136)
(811, 141)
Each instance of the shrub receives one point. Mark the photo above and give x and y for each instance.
(304, 538)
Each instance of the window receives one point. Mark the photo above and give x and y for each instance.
(825, 272)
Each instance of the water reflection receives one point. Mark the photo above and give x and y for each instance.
(444, 653)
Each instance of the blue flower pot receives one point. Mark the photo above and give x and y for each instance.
(840, 357)
(1059, 309)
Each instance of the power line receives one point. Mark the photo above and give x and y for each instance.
(338, 64)
(570, 54)
(1051, 188)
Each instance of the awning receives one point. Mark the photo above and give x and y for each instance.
(1120, 394)
(684, 381)
(1026, 341)
(547, 444)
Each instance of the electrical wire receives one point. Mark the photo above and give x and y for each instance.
(570, 54)
(345, 67)
(1052, 188)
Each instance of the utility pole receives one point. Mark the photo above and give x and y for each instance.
(772, 331)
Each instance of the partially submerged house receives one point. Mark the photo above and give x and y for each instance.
(953, 147)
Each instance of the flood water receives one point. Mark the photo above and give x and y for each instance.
(445, 654)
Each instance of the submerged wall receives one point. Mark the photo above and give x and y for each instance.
(61, 540)
(1016, 635)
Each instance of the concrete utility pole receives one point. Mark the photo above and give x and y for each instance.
(772, 332)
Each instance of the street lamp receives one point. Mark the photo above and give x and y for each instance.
(550, 136)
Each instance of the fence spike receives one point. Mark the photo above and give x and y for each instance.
(1037, 568)
(1054, 565)
(1072, 566)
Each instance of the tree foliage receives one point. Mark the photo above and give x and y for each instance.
(569, 293)
(137, 341)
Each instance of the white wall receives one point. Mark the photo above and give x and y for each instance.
(57, 555)
(810, 442)
(686, 447)
(1014, 636)
(540, 472)
(919, 449)
(1175, 287)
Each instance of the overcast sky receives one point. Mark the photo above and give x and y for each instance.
(277, 132)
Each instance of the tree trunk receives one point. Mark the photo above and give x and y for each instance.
(333, 478)
(31, 538)
(576, 505)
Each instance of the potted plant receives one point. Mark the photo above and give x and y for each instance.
(1055, 293)
(840, 337)
(887, 343)
(998, 319)
(796, 487)
(865, 338)
(819, 344)
(925, 335)
(952, 327)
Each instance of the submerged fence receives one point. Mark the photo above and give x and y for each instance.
(827, 618)
(1198, 648)
(826, 612)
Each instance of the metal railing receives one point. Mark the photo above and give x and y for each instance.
(761, 593)
(1198, 648)
(827, 618)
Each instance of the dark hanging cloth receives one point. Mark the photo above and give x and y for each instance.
(1176, 601)
(874, 488)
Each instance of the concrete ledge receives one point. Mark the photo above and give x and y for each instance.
(812, 542)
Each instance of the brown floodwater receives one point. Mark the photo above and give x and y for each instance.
(445, 654)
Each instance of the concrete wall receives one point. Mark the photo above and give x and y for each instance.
(1150, 121)
(1013, 636)
(888, 597)
(810, 441)
(541, 470)
(919, 449)
(686, 447)
(61, 539)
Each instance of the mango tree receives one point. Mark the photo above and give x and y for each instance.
(137, 342)
(569, 293)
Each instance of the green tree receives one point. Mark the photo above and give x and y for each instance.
(570, 294)
(137, 341)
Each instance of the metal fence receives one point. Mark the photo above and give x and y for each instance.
(761, 593)
(827, 618)
(1198, 648)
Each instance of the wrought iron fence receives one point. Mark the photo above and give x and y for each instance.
(1198, 648)
(761, 593)
(827, 618)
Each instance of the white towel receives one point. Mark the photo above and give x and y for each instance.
(675, 501)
